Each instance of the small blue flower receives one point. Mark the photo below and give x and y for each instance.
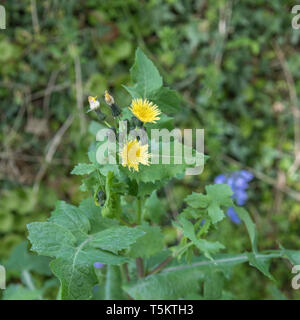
(98, 265)
(239, 183)
(247, 175)
(240, 197)
(230, 181)
(220, 179)
(233, 215)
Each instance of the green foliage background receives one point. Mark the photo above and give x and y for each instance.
(232, 62)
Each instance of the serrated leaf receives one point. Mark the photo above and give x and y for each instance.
(93, 213)
(71, 218)
(76, 273)
(117, 238)
(206, 247)
(219, 195)
(83, 168)
(50, 239)
(167, 100)
(149, 244)
(197, 200)
(65, 237)
(145, 75)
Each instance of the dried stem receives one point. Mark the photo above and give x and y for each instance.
(51, 151)
(79, 93)
(294, 106)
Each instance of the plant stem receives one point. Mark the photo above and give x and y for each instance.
(125, 223)
(126, 272)
(107, 124)
(139, 210)
(160, 266)
(140, 267)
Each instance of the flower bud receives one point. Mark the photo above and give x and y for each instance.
(108, 98)
(115, 110)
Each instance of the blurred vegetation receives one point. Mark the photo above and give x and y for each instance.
(237, 66)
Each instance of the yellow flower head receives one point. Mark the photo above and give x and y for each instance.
(134, 153)
(94, 103)
(108, 98)
(145, 110)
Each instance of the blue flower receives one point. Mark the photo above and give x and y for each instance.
(98, 265)
(239, 183)
(247, 175)
(240, 196)
(233, 215)
(220, 179)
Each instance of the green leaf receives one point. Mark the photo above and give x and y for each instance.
(260, 264)
(113, 290)
(20, 260)
(250, 225)
(19, 292)
(65, 236)
(50, 239)
(149, 244)
(112, 205)
(70, 217)
(206, 247)
(292, 255)
(213, 285)
(93, 213)
(154, 209)
(171, 285)
(167, 100)
(219, 195)
(76, 271)
(117, 238)
(83, 168)
(145, 75)
(180, 280)
(197, 200)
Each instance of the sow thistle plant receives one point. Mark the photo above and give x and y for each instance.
(113, 245)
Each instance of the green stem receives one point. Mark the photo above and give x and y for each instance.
(139, 210)
(107, 124)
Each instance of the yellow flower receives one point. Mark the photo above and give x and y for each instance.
(145, 110)
(94, 103)
(108, 98)
(134, 153)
